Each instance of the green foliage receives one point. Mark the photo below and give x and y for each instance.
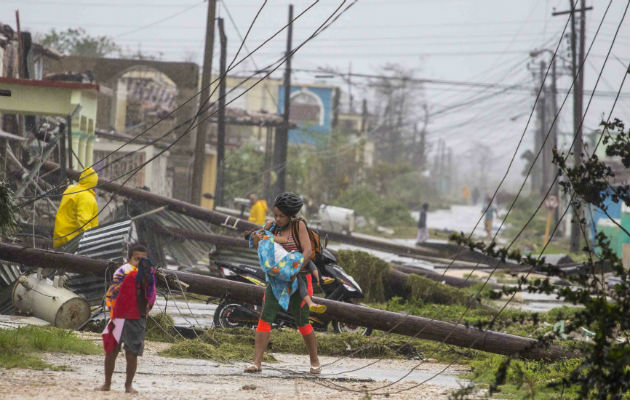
(369, 271)
(603, 371)
(244, 172)
(160, 327)
(237, 344)
(8, 210)
(18, 347)
(76, 42)
(525, 379)
(429, 291)
(383, 210)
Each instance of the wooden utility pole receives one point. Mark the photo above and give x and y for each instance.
(281, 143)
(578, 87)
(409, 325)
(204, 101)
(218, 191)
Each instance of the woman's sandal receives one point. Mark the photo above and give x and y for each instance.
(252, 369)
(316, 370)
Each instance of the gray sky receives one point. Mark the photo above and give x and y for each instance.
(457, 40)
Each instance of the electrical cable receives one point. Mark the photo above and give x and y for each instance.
(332, 18)
(177, 108)
(468, 306)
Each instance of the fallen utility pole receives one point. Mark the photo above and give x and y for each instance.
(439, 277)
(426, 250)
(396, 278)
(424, 328)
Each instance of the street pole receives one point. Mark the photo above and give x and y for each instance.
(544, 168)
(204, 100)
(554, 132)
(577, 102)
(218, 192)
(579, 90)
(282, 135)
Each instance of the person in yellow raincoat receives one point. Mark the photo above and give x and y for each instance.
(258, 212)
(78, 209)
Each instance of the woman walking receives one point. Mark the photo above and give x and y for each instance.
(285, 209)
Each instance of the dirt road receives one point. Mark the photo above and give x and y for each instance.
(168, 378)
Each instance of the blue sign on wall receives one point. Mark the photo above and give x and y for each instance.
(311, 109)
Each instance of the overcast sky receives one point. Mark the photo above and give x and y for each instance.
(483, 41)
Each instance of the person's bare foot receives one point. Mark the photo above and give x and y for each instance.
(253, 369)
(105, 388)
(130, 389)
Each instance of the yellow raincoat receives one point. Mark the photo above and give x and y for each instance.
(77, 211)
(258, 212)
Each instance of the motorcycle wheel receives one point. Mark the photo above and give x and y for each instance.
(223, 313)
(341, 327)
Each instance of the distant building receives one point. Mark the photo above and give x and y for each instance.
(312, 110)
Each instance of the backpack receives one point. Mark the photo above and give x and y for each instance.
(313, 235)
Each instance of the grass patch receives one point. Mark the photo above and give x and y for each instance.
(161, 328)
(372, 275)
(369, 271)
(237, 344)
(19, 347)
(525, 379)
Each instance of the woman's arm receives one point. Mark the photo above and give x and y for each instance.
(305, 241)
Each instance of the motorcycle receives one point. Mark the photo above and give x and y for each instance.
(336, 284)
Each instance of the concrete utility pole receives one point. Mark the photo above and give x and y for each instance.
(282, 135)
(204, 101)
(578, 87)
(408, 325)
(218, 191)
(554, 138)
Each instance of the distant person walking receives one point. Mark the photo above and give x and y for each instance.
(475, 195)
(258, 212)
(466, 194)
(490, 210)
(423, 232)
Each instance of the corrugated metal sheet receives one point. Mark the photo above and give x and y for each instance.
(8, 275)
(189, 255)
(108, 242)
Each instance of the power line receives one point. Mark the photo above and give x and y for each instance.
(327, 23)
(551, 186)
(176, 109)
(160, 20)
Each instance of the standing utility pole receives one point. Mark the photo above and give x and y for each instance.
(218, 192)
(577, 70)
(554, 138)
(204, 101)
(282, 135)
(542, 126)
